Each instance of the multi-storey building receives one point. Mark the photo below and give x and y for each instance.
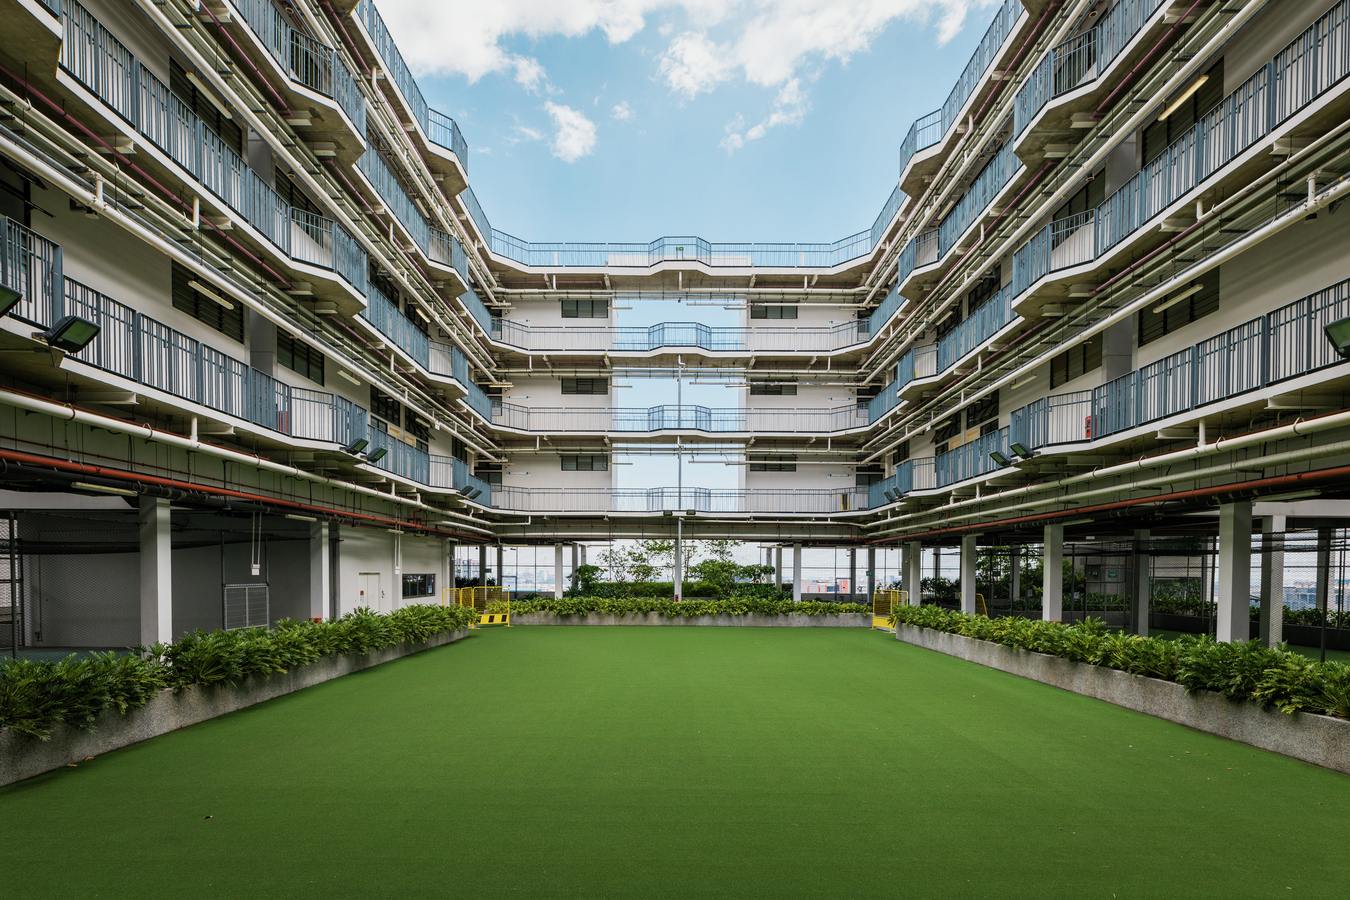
(1092, 305)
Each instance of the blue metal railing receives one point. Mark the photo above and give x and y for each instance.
(385, 317)
(443, 130)
(480, 219)
(887, 213)
(991, 179)
(681, 249)
(32, 265)
(402, 459)
(382, 179)
(1080, 59)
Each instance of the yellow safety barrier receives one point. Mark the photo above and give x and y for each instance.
(478, 598)
(882, 603)
(980, 604)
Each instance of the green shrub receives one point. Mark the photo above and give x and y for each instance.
(1240, 671)
(739, 603)
(34, 696)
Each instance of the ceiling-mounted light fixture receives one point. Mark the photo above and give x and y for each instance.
(300, 518)
(1168, 304)
(350, 377)
(103, 488)
(209, 95)
(1185, 95)
(210, 292)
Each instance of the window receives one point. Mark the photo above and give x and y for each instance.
(227, 129)
(1199, 298)
(982, 410)
(773, 312)
(948, 428)
(489, 472)
(1160, 135)
(765, 389)
(229, 322)
(300, 357)
(901, 453)
(573, 308)
(865, 396)
(1076, 361)
(418, 428)
(585, 385)
(419, 585)
(385, 406)
(773, 462)
(985, 288)
(948, 322)
(1089, 196)
(595, 462)
(285, 186)
(869, 475)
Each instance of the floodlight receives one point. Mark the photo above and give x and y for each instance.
(1338, 333)
(9, 298)
(465, 491)
(999, 458)
(477, 492)
(377, 454)
(72, 334)
(690, 512)
(667, 512)
(1021, 449)
(892, 494)
(356, 447)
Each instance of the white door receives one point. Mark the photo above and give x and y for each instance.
(371, 595)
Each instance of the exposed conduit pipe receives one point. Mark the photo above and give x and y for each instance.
(281, 104)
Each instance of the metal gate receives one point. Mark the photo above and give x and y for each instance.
(245, 606)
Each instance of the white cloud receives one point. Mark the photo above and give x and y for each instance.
(693, 64)
(623, 112)
(575, 134)
(789, 108)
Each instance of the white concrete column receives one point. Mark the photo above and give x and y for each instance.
(576, 555)
(1234, 574)
(319, 570)
(871, 572)
(557, 571)
(852, 573)
(156, 571)
(1052, 572)
(583, 554)
(1272, 580)
(1142, 588)
(968, 574)
(796, 573)
(778, 567)
(911, 571)
(448, 595)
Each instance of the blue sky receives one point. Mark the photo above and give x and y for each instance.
(628, 120)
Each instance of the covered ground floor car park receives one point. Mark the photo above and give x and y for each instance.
(89, 572)
(1274, 570)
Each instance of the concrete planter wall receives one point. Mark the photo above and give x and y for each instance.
(22, 756)
(1322, 740)
(842, 620)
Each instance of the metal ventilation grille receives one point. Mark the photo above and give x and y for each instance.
(246, 606)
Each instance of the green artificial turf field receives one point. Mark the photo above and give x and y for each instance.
(680, 762)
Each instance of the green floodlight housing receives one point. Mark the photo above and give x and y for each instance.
(1021, 449)
(377, 454)
(892, 494)
(1338, 333)
(72, 334)
(9, 298)
(999, 458)
(667, 512)
(356, 447)
(691, 512)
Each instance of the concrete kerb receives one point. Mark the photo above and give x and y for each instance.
(842, 620)
(1321, 740)
(23, 757)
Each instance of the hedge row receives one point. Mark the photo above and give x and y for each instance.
(35, 695)
(1240, 671)
(733, 606)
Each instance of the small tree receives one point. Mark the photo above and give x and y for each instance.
(616, 564)
(640, 564)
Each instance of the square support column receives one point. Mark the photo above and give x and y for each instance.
(557, 571)
(1052, 574)
(796, 573)
(852, 573)
(482, 565)
(319, 568)
(156, 571)
(871, 573)
(1141, 590)
(968, 574)
(911, 564)
(576, 553)
(1272, 580)
(1014, 576)
(1234, 573)
(778, 567)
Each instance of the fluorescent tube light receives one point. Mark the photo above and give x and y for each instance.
(300, 518)
(1185, 95)
(210, 95)
(208, 292)
(1168, 304)
(104, 488)
(352, 378)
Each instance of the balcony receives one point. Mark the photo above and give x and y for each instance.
(679, 336)
(657, 500)
(1261, 353)
(544, 420)
(148, 352)
(694, 250)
